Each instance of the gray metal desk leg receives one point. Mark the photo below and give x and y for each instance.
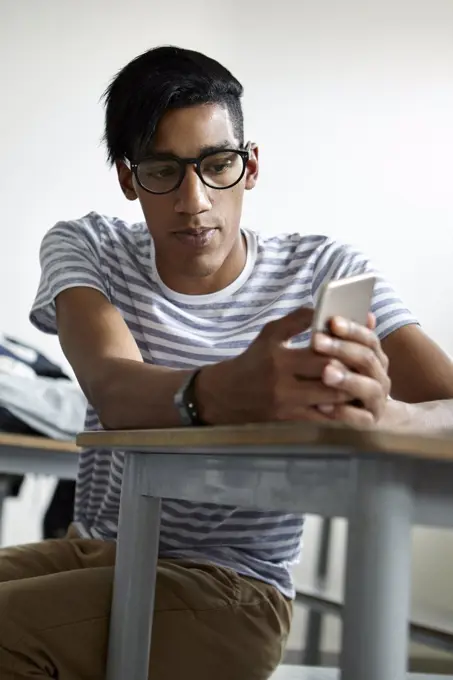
(377, 607)
(4, 489)
(312, 645)
(135, 577)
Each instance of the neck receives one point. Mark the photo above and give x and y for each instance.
(228, 272)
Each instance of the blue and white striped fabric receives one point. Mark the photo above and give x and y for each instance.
(182, 331)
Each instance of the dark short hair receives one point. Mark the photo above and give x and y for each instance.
(161, 79)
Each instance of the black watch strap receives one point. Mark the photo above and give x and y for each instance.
(186, 403)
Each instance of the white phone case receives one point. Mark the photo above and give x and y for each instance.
(349, 297)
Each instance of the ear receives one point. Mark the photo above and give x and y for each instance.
(126, 180)
(252, 169)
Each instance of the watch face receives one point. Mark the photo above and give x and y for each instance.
(185, 402)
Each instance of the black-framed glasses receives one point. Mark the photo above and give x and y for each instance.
(219, 169)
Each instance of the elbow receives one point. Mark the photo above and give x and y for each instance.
(113, 415)
(106, 399)
(110, 420)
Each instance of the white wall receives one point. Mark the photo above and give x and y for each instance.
(351, 101)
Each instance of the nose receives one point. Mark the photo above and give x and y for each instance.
(192, 196)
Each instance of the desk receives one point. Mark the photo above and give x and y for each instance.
(382, 482)
(24, 455)
(300, 673)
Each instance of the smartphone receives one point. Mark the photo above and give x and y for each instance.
(350, 298)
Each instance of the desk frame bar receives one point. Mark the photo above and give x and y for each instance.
(23, 460)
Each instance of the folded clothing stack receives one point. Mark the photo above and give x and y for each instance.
(36, 397)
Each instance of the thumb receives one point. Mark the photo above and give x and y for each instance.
(289, 325)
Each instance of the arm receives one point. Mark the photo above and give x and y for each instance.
(419, 370)
(262, 384)
(125, 392)
(422, 382)
(129, 394)
(405, 365)
(426, 417)
(73, 301)
(421, 373)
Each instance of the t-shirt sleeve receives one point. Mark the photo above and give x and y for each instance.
(338, 261)
(70, 256)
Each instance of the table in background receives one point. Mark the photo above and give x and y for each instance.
(25, 455)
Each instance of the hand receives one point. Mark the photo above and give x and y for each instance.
(363, 374)
(270, 381)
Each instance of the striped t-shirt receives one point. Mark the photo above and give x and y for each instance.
(184, 331)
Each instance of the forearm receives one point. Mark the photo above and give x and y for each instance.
(133, 395)
(425, 417)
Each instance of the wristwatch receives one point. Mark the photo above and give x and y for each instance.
(186, 402)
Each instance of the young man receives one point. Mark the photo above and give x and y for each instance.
(183, 308)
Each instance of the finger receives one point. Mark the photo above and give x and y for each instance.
(307, 393)
(341, 413)
(310, 413)
(315, 414)
(371, 321)
(326, 409)
(349, 330)
(366, 390)
(303, 364)
(352, 416)
(288, 326)
(355, 356)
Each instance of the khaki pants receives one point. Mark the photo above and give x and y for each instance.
(209, 623)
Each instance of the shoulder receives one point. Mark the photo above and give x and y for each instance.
(290, 244)
(96, 232)
(317, 252)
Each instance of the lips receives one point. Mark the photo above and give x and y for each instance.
(198, 238)
(194, 231)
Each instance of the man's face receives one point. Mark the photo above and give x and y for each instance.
(195, 228)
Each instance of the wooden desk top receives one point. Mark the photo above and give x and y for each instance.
(11, 441)
(264, 437)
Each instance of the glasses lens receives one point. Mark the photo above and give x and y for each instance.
(159, 176)
(222, 169)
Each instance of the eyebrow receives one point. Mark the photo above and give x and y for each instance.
(207, 148)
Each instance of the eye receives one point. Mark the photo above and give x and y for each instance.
(219, 163)
(218, 167)
(160, 172)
